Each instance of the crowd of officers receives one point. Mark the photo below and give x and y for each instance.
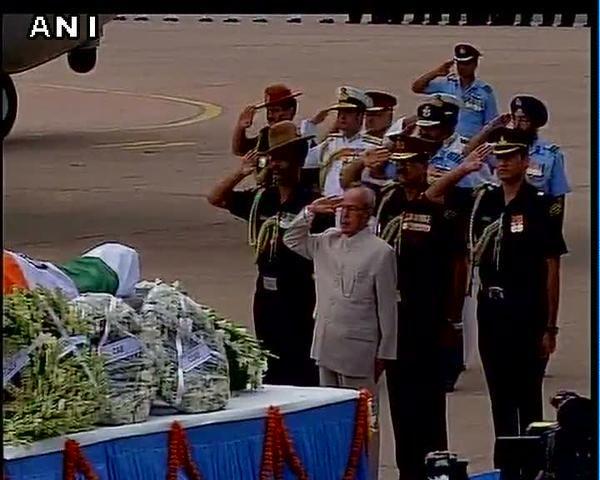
(471, 202)
(394, 13)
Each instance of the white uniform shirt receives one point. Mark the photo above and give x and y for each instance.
(319, 157)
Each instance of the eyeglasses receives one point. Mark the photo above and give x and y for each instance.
(352, 208)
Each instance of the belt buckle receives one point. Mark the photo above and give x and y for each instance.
(496, 293)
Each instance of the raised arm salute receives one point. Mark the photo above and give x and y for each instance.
(477, 97)
(284, 297)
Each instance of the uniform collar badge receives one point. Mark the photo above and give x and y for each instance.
(516, 224)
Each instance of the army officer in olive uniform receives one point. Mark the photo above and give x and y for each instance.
(430, 253)
(285, 293)
(516, 240)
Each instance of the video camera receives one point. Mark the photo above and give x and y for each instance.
(445, 466)
(560, 450)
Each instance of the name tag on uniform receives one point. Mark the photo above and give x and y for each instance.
(535, 170)
(517, 224)
(474, 103)
(416, 222)
(270, 283)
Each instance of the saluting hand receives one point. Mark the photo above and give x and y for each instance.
(375, 158)
(320, 117)
(325, 205)
(445, 68)
(246, 117)
(249, 163)
(501, 121)
(475, 159)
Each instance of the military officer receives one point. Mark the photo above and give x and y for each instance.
(516, 240)
(284, 298)
(380, 115)
(546, 169)
(436, 120)
(546, 161)
(328, 157)
(477, 97)
(430, 253)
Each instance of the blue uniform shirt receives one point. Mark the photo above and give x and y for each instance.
(448, 157)
(479, 102)
(546, 169)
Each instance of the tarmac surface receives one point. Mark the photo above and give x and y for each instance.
(127, 153)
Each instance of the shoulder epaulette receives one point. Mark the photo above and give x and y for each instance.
(334, 135)
(487, 88)
(372, 140)
(553, 147)
(452, 77)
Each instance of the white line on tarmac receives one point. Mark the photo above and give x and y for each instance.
(128, 144)
(159, 146)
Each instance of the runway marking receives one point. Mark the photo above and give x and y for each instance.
(142, 145)
(127, 144)
(160, 145)
(206, 111)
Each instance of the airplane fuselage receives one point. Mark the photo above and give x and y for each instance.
(21, 53)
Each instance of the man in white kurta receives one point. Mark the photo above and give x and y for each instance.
(356, 313)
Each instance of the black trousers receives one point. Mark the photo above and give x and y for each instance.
(284, 323)
(418, 408)
(509, 346)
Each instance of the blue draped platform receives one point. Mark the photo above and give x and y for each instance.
(226, 445)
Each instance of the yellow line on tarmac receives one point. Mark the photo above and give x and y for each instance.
(206, 111)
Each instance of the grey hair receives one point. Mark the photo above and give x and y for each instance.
(368, 196)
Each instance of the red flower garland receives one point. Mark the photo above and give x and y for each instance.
(361, 435)
(180, 455)
(75, 461)
(279, 450)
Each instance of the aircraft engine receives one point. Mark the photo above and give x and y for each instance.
(83, 59)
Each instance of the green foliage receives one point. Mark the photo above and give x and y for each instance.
(53, 394)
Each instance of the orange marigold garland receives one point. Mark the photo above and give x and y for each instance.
(180, 455)
(279, 450)
(290, 453)
(267, 469)
(361, 434)
(75, 461)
